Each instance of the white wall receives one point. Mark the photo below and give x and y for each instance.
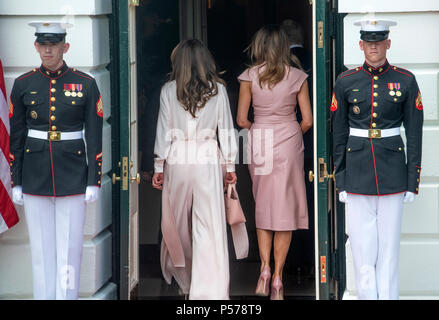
(89, 52)
(415, 47)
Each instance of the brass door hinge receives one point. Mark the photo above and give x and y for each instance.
(320, 34)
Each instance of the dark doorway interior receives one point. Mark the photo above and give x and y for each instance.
(230, 27)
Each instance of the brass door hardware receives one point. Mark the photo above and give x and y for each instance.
(323, 173)
(124, 171)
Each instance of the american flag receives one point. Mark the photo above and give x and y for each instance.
(8, 214)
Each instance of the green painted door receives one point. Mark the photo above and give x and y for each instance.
(330, 233)
(125, 172)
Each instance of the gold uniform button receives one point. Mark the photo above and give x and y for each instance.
(27, 150)
(400, 149)
(53, 118)
(375, 115)
(99, 164)
(355, 100)
(53, 108)
(349, 149)
(11, 164)
(375, 94)
(370, 70)
(417, 189)
(395, 99)
(356, 69)
(99, 182)
(79, 152)
(418, 170)
(53, 90)
(375, 104)
(375, 86)
(375, 78)
(394, 68)
(32, 102)
(52, 99)
(53, 81)
(53, 128)
(417, 180)
(374, 124)
(73, 102)
(381, 69)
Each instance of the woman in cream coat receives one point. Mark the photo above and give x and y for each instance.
(189, 169)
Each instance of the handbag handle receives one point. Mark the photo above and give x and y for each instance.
(231, 188)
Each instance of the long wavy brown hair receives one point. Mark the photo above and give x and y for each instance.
(194, 70)
(270, 49)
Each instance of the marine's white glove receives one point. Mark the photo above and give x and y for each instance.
(17, 195)
(343, 197)
(409, 196)
(91, 194)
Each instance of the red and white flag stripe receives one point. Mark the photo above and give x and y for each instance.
(8, 214)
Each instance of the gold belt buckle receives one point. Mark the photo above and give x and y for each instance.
(54, 135)
(374, 133)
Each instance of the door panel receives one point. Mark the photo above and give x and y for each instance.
(133, 259)
(330, 233)
(125, 176)
(322, 153)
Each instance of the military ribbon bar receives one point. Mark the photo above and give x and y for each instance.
(394, 86)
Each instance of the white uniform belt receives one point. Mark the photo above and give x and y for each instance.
(374, 133)
(54, 135)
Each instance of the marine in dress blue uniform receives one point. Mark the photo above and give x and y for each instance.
(55, 167)
(374, 170)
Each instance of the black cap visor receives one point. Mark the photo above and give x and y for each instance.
(374, 36)
(50, 37)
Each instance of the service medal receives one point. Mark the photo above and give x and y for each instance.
(73, 94)
(67, 93)
(392, 93)
(356, 109)
(80, 94)
(398, 93)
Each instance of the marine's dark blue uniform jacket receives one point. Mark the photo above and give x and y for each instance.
(377, 98)
(64, 100)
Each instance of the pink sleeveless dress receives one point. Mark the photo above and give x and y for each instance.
(275, 153)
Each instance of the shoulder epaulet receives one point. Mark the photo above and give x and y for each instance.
(27, 74)
(403, 71)
(349, 72)
(81, 74)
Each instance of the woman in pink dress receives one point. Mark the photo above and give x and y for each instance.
(275, 148)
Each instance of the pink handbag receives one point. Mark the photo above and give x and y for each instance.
(236, 220)
(234, 211)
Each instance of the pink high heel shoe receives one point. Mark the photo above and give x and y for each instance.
(277, 289)
(263, 286)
